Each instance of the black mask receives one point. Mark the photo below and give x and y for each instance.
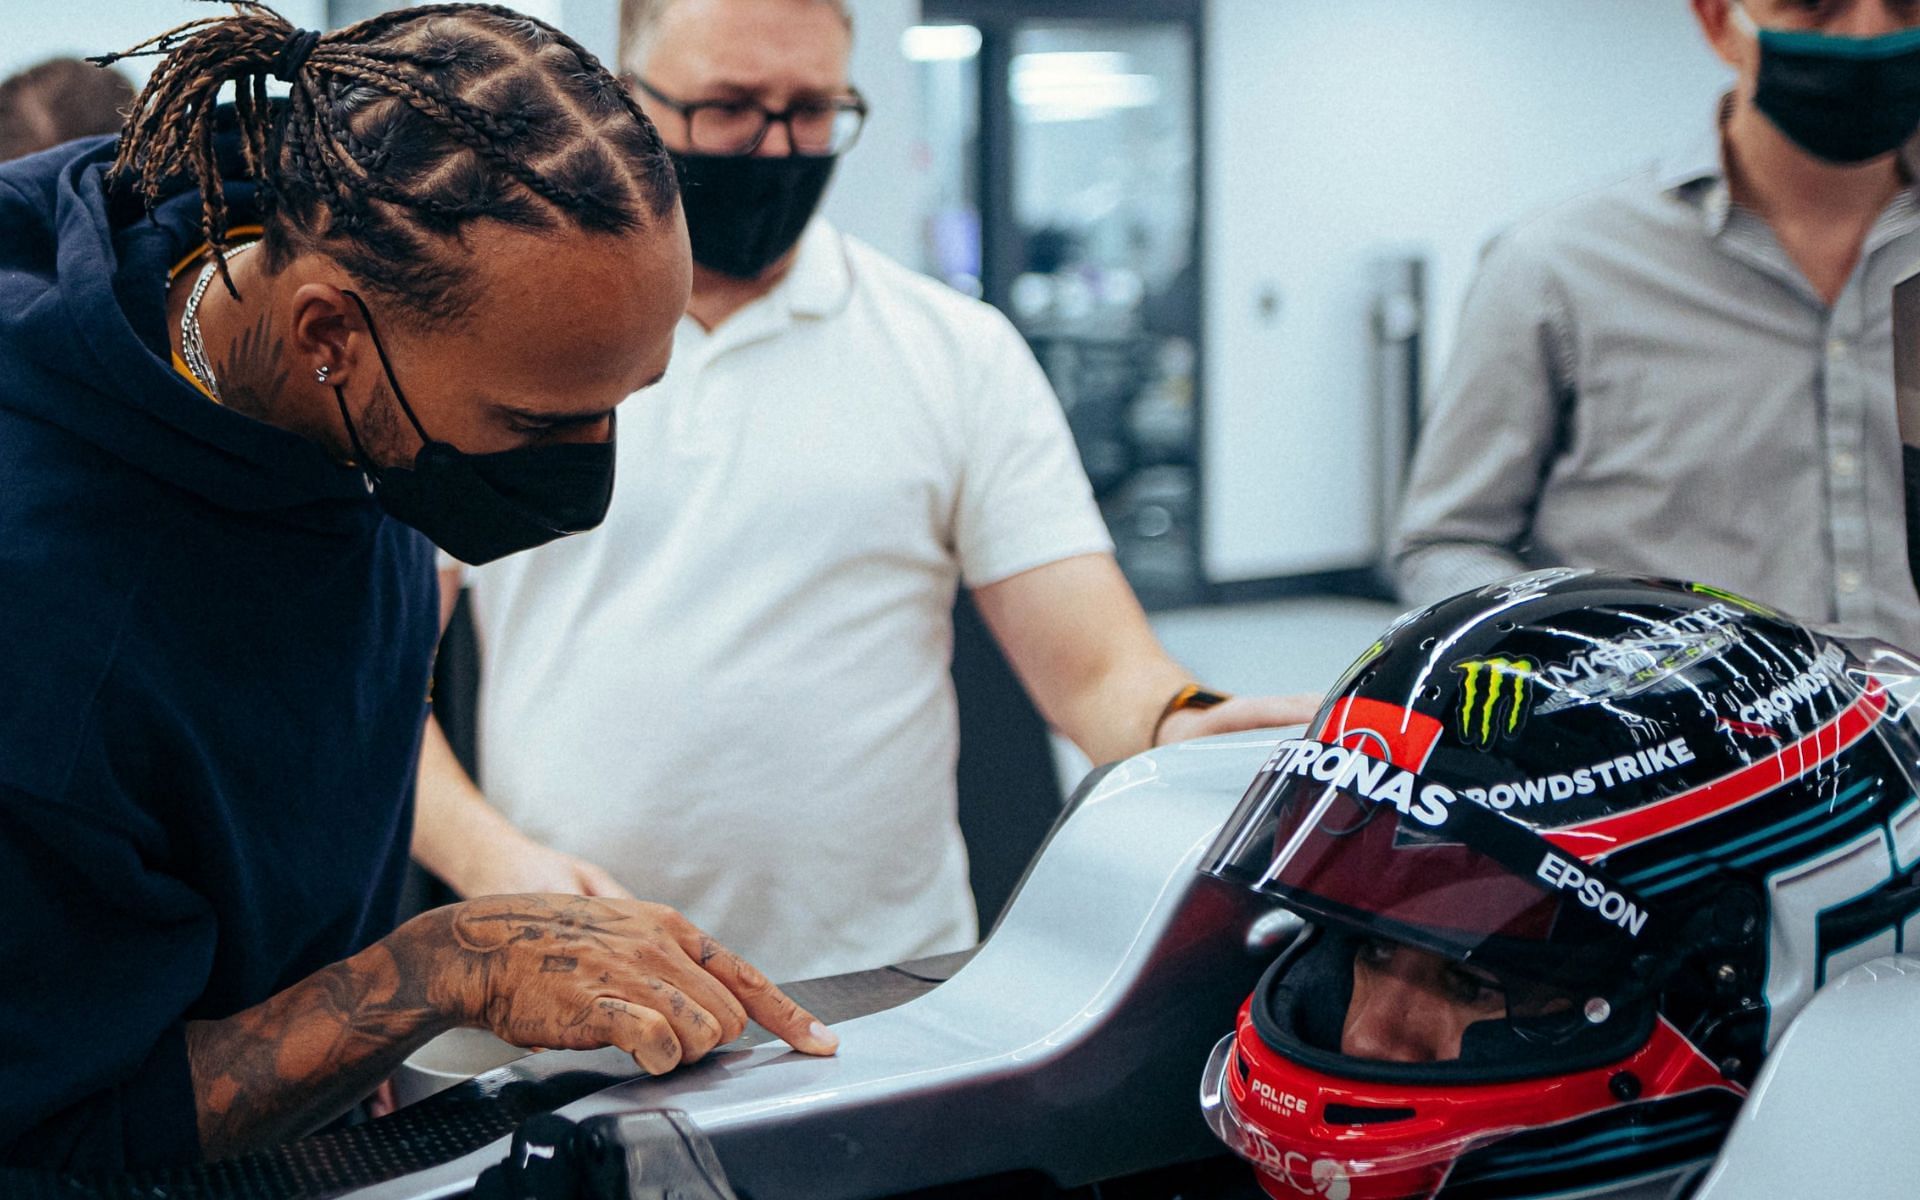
(479, 507)
(1842, 99)
(744, 211)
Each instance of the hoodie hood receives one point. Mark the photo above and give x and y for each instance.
(83, 341)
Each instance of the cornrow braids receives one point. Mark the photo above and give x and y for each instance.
(396, 134)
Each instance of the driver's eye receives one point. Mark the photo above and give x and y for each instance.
(1799, 14)
(1472, 988)
(1375, 954)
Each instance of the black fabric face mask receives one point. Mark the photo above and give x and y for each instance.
(1842, 99)
(744, 211)
(479, 507)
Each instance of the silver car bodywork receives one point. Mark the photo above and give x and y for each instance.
(1073, 1042)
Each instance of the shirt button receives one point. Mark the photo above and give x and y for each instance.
(1845, 464)
(1837, 348)
(1850, 582)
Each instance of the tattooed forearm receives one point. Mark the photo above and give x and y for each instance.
(294, 1062)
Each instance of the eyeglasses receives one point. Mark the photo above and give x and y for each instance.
(820, 125)
(1813, 15)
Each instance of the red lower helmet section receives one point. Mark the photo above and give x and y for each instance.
(1391, 1140)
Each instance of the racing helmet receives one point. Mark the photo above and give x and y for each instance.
(1655, 816)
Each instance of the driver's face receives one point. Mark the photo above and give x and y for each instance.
(1411, 1006)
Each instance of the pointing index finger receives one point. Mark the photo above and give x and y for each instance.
(764, 1002)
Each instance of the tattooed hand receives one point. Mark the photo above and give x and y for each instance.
(564, 972)
(577, 973)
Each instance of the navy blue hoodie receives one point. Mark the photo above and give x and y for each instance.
(214, 660)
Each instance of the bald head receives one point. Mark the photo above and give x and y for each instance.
(641, 22)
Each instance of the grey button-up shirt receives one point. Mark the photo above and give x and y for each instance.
(1645, 381)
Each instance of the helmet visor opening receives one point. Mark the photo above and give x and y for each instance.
(1304, 1001)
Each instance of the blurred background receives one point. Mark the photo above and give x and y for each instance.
(1237, 234)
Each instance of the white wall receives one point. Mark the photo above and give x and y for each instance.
(1342, 131)
(880, 192)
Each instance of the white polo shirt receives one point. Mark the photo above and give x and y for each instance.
(734, 694)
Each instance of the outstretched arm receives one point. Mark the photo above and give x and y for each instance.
(1080, 642)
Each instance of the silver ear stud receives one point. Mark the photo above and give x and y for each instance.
(320, 373)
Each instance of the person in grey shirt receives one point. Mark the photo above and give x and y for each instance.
(1690, 374)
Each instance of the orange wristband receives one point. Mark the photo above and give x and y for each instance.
(1190, 696)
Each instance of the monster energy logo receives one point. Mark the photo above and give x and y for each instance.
(1621, 670)
(1493, 698)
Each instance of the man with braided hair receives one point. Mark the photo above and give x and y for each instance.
(248, 357)
(841, 444)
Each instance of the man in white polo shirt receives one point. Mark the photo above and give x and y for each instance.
(733, 697)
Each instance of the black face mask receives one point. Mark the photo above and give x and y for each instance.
(479, 507)
(744, 211)
(1842, 99)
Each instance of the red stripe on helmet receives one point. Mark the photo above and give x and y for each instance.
(1593, 840)
(1401, 736)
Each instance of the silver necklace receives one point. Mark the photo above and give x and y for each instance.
(192, 347)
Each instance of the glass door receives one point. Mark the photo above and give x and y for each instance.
(1063, 140)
